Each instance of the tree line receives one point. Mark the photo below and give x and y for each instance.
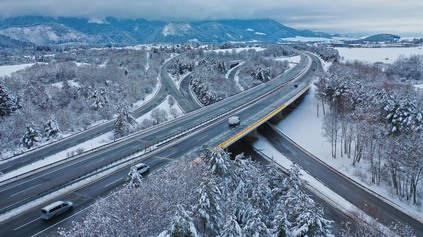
(375, 119)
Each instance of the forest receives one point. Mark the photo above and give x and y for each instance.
(72, 92)
(375, 117)
(216, 196)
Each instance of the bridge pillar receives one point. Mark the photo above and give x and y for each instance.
(279, 116)
(253, 134)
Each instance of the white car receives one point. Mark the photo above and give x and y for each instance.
(142, 168)
(234, 121)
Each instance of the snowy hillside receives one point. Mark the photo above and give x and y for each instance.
(45, 31)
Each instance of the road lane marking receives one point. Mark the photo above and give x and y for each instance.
(17, 228)
(368, 203)
(24, 190)
(344, 187)
(323, 173)
(82, 195)
(202, 137)
(60, 222)
(166, 157)
(112, 183)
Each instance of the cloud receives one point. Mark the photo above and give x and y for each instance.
(396, 16)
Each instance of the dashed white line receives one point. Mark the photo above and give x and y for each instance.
(344, 187)
(112, 183)
(24, 190)
(17, 228)
(61, 221)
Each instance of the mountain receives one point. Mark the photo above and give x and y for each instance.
(7, 42)
(382, 38)
(70, 30)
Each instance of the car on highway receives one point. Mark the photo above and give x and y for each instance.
(234, 121)
(142, 168)
(56, 208)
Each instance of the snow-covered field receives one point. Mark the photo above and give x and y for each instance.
(304, 127)
(372, 55)
(316, 39)
(9, 69)
(239, 49)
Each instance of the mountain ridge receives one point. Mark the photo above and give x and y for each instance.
(118, 31)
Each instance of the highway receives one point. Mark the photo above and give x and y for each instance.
(384, 212)
(184, 100)
(166, 86)
(14, 194)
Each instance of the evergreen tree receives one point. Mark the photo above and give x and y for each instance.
(31, 136)
(51, 128)
(134, 177)
(303, 214)
(182, 225)
(123, 121)
(231, 228)
(7, 103)
(255, 227)
(218, 162)
(208, 208)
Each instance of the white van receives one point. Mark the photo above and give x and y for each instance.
(55, 209)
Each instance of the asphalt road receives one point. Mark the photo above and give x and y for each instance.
(25, 189)
(184, 100)
(372, 205)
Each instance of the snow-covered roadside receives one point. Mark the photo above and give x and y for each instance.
(85, 146)
(314, 185)
(292, 60)
(304, 127)
(236, 77)
(148, 97)
(164, 106)
(419, 86)
(177, 80)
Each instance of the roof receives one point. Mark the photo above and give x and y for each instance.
(52, 205)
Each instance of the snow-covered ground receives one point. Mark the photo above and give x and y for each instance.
(304, 127)
(316, 39)
(372, 55)
(293, 60)
(239, 49)
(164, 106)
(236, 77)
(148, 97)
(9, 69)
(178, 79)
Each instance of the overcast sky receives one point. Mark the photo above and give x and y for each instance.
(404, 17)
